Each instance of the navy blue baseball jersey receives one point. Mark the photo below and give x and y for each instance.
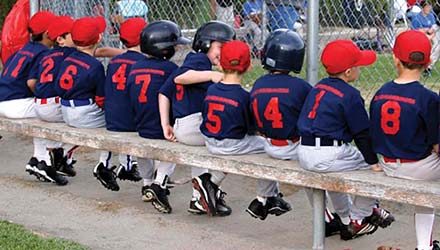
(118, 111)
(48, 69)
(276, 102)
(188, 99)
(144, 81)
(17, 70)
(333, 110)
(226, 112)
(404, 120)
(81, 77)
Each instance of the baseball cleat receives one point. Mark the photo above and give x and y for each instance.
(257, 210)
(60, 162)
(222, 209)
(146, 196)
(106, 176)
(131, 175)
(31, 168)
(195, 207)
(208, 193)
(277, 206)
(334, 226)
(357, 229)
(50, 174)
(159, 198)
(380, 217)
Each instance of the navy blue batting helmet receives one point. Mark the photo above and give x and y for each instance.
(284, 50)
(210, 32)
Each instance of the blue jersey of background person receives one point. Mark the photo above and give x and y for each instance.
(81, 77)
(277, 100)
(188, 99)
(226, 113)
(333, 110)
(48, 69)
(146, 77)
(405, 120)
(17, 70)
(420, 21)
(118, 110)
(282, 13)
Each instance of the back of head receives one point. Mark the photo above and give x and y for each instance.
(210, 32)
(413, 49)
(159, 38)
(130, 31)
(86, 31)
(284, 51)
(235, 57)
(60, 26)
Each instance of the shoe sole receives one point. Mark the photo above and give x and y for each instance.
(277, 211)
(147, 197)
(254, 215)
(32, 171)
(95, 173)
(157, 204)
(195, 211)
(203, 196)
(48, 178)
(357, 235)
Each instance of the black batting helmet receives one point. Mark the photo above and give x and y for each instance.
(210, 32)
(159, 38)
(284, 50)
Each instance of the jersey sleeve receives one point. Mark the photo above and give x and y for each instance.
(416, 24)
(100, 80)
(355, 114)
(431, 119)
(168, 88)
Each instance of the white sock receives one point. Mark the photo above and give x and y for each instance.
(345, 220)
(424, 224)
(148, 182)
(217, 177)
(105, 157)
(262, 200)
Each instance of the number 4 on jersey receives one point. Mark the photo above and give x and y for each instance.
(119, 77)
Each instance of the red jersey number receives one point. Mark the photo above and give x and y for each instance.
(145, 80)
(179, 92)
(119, 77)
(390, 117)
(271, 113)
(48, 66)
(17, 68)
(312, 113)
(66, 79)
(215, 123)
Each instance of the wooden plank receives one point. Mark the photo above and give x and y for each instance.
(363, 183)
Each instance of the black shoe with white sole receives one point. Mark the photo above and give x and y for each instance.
(50, 174)
(106, 176)
(131, 175)
(208, 193)
(159, 198)
(257, 210)
(196, 208)
(277, 206)
(31, 168)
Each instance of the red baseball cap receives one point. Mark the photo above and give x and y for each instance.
(40, 21)
(86, 30)
(61, 25)
(340, 55)
(130, 31)
(409, 42)
(235, 55)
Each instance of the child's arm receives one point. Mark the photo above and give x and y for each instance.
(436, 148)
(164, 110)
(194, 76)
(108, 52)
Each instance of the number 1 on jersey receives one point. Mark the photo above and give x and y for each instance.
(145, 80)
(271, 113)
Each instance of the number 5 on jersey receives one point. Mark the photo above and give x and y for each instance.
(215, 123)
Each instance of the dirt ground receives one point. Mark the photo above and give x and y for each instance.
(87, 213)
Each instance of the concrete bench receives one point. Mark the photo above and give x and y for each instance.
(363, 183)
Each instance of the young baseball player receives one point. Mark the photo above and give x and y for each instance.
(80, 84)
(191, 81)
(227, 121)
(158, 41)
(17, 86)
(404, 125)
(276, 101)
(332, 116)
(118, 111)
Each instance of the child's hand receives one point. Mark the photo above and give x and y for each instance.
(216, 76)
(168, 133)
(376, 168)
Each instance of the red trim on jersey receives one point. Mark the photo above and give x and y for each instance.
(53, 55)
(120, 60)
(148, 71)
(271, 90)
(221, 99)
(330, 89)
(395, 98)
(26, 53)
(100, 101)
(80, 63)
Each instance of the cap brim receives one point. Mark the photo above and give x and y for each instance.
(183, 40)
(368, 57)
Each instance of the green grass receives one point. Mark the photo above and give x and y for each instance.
(16, 237)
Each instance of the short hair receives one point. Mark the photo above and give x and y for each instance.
(415, 57)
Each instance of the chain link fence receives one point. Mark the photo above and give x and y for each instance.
(371, 24)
